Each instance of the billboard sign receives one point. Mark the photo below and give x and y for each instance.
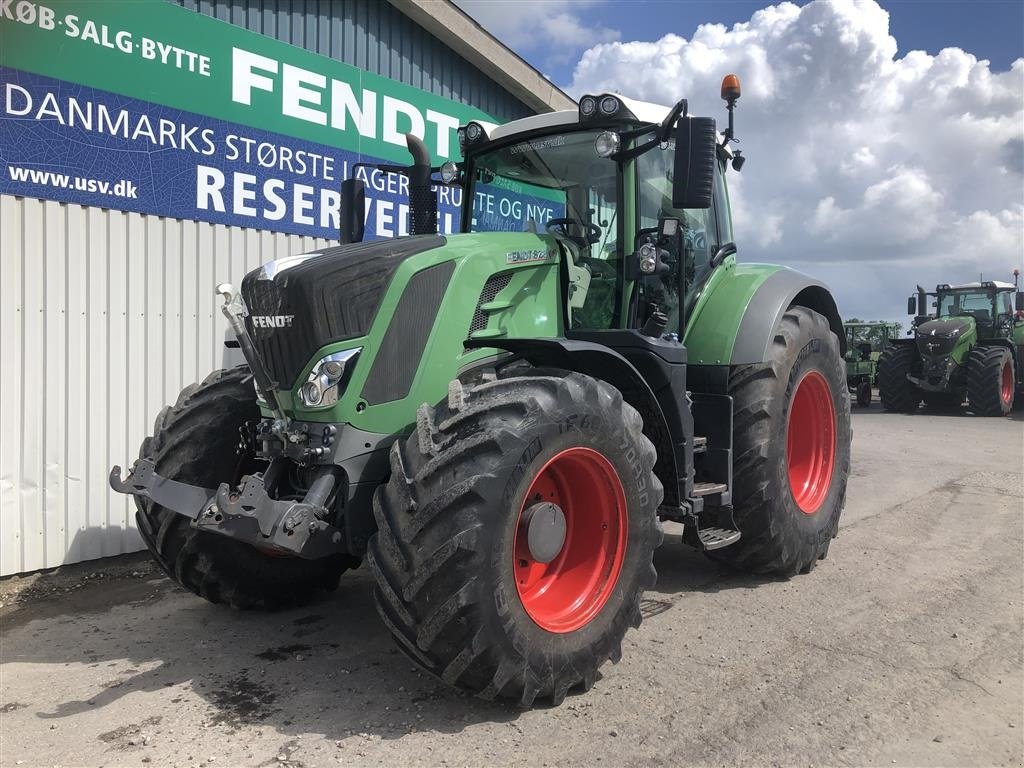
(148, 107)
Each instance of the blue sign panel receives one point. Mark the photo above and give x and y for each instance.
(67, 142)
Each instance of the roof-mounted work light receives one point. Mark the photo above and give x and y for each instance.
(471, 134)
(602, 108)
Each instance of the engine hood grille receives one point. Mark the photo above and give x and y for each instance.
(328, 297)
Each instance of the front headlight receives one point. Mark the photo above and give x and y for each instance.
(607, 143)
(326, 381)
(449, 172)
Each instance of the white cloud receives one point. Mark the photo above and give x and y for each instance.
(871, 171)
(556, 28)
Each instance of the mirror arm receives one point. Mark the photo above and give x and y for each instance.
(630, 154)
(681, 108)
(728, 249)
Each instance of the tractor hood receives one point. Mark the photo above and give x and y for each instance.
(298, 304)
(946, 327)
(938, 338)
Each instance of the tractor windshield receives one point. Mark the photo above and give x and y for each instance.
(557, 184)
(976, 304)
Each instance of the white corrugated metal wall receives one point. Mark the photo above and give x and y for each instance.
(104, 317)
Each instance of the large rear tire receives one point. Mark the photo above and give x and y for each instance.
(791, 449)
(196, 441)
(991, 381)
(462, 584)
(897, 393)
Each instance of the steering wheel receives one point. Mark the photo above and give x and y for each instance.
(585, 234)
(601, 269)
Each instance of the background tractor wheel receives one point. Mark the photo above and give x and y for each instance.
(196, 441)
(516, 535)
(990, 381)
(864, 394)
(791, 449)
(894, 390)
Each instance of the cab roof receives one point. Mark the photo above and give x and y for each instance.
(644, 111)
(997, 284)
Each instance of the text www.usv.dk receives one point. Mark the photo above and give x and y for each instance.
(123, 188)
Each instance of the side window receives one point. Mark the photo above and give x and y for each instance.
(1003, 304)
(714, 227)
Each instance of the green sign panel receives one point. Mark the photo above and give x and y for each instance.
(157, 52)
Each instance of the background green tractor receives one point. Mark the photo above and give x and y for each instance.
(864, 344)
(499, 421)
(970, 348)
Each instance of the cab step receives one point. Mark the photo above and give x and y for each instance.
(716, 538)
(709, 489)
(700, 444)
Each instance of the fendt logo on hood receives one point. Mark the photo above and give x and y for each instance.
(272, 321)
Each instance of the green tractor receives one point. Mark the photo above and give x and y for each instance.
(971, 348)
(497, 422)
(864, 344)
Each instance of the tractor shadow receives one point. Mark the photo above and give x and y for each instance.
(329, 668)
(933, 411)
(682, 569)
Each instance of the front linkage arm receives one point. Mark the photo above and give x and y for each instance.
(246, 514)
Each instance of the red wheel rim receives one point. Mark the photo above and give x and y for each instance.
(811, 442)
(1006, 390)
(566, 593)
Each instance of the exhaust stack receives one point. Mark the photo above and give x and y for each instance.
(422, 201)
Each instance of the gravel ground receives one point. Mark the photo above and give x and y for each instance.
(903, 647)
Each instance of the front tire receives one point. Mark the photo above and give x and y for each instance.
(791, 449)
(195, 441)
(460, 583)
(990, 381)
(897, 393)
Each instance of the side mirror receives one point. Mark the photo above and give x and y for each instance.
(353, 210)
(1018, 302)
(694, 171)
(912, 305)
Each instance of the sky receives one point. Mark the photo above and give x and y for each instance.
(885, 141)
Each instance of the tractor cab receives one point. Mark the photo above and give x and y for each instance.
(989, 304)
(602, 182)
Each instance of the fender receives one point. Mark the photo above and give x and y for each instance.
(735, 315)
(601, 362)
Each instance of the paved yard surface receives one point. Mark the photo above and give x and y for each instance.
(903, 647)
